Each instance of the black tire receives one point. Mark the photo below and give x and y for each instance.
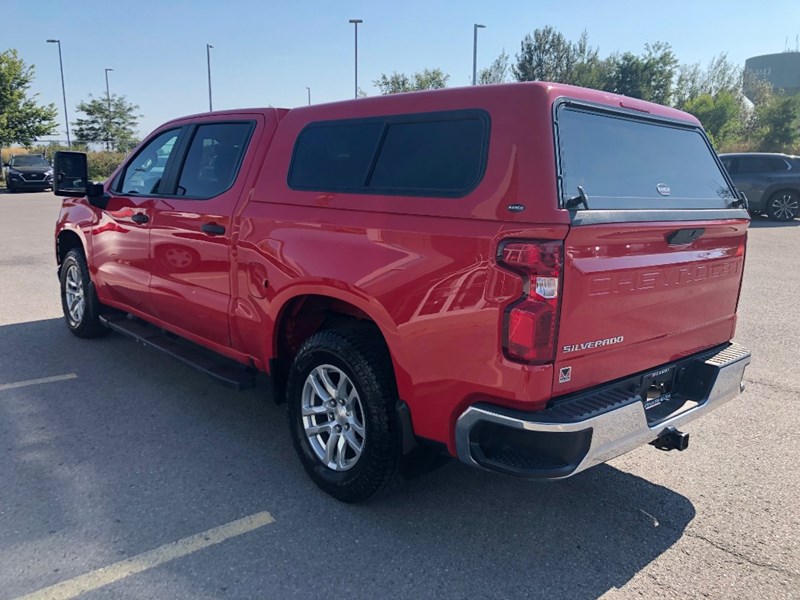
(74, 272)
(10, 189)
(360, 353)
(783, 205)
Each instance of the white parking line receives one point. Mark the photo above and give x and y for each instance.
(19, 384)
(93, 580)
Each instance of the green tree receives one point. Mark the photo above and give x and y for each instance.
(22, 119)
(589, 70)
(779, 124)
(544, 56)
(692, 81)
(113, 124)
(496, 72)
(720, 114)
(649, 76)
(548, 56)
(429, 79)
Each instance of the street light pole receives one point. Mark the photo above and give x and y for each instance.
(63, 88)
(108, 101)
(308, 89)
(355, 22)
(475, 28)
(208, 59)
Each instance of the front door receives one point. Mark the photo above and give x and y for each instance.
(120, 238)
(190, 236)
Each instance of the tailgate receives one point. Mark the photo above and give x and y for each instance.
(653, 261)
(631, 301)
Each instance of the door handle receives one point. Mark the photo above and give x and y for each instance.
(681, 237)
(213, 228)
(140, 218)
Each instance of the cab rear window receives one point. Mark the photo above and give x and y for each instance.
(623, 162)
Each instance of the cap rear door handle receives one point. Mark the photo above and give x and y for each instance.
(681, 237)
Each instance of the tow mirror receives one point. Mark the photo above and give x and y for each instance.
(71, 174)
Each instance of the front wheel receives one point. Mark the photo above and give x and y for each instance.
(342, 401)
(78, 299)
(783, 206)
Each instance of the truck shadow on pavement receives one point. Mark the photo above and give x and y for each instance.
(139, 451)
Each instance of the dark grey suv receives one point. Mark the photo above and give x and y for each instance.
(29, 172)
(770, 181)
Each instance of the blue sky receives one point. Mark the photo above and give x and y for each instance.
(266, 53)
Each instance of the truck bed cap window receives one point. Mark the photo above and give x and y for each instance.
(634, 163)
(432, 154)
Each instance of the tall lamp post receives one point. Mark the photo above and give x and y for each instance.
(475, 28)
(308, 89)
(108, 101)
(63, 88)
(355, 22)
(208, 60)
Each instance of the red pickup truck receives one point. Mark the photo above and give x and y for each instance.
(532, 277)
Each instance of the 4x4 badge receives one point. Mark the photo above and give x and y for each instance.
(564, 374)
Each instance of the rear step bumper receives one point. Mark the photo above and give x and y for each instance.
(587, 429)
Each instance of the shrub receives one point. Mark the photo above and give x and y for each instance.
(102, 164)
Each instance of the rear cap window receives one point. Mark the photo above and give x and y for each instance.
(626, 162)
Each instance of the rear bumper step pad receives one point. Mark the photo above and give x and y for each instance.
(586, 429)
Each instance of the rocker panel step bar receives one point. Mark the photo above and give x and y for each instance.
(222, 370)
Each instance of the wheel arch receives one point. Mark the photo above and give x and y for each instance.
(780, 187)
(66, 240)
(306, 311)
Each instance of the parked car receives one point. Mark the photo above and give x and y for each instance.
(29, 172)
(771, 182)
(534, 278)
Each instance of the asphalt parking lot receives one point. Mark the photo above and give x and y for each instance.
(129, 475)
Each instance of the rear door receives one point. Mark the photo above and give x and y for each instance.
(192, 229)
(653, 267)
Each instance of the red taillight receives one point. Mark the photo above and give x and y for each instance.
(530, 323)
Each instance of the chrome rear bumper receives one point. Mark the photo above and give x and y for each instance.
(563, 440)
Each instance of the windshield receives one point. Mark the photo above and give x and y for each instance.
(29, 161)
(628, 163)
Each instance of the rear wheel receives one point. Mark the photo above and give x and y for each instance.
(342, 401)
(78, 299)
(783, 206)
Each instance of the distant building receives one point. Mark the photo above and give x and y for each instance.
(781, 70)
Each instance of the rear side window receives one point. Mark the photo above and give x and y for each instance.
(433, 154)
(334, 156)
(762, 164)
(629, 163)
(213, 160)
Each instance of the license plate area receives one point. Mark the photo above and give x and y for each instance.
(660, 394)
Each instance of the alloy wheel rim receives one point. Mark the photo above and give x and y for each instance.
(333, 418)
(786, 206)
(73, 289)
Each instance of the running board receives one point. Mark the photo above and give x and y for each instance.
(219, 368)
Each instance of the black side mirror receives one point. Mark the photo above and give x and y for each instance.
(5, 164)
(71, 174)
